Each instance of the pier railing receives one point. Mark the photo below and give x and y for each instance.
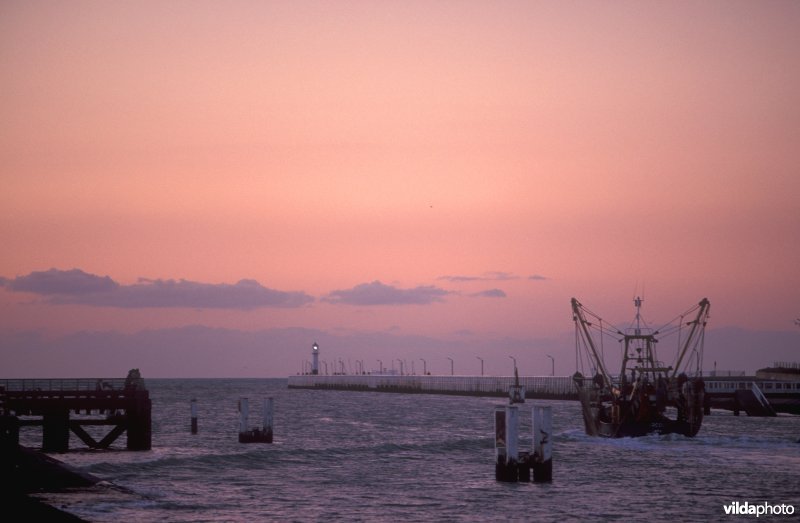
(62, 384)
(556, 387)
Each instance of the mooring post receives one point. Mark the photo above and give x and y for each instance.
(512, 443)
(243, 415)
(499, 443)
(194, 416)
(542, 426)
(267, 428)
(506, 427)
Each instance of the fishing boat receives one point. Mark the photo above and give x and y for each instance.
(647, 396)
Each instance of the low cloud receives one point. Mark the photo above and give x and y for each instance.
(65, 283)
(80, 288)
(490, 293)
(487, 276)
(377, 293)
(537, 277)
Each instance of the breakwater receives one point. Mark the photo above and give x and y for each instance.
(536, 387)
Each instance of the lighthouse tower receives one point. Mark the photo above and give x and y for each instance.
(315, 358)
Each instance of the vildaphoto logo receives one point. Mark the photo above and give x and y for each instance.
(759, 509)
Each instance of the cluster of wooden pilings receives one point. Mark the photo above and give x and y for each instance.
(513, 465)
(247, 434)
(261, 434)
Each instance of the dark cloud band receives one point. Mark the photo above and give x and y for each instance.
(78, 287)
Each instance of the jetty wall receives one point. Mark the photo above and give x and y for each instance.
(536, 387)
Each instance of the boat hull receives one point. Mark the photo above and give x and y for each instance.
(610, 416)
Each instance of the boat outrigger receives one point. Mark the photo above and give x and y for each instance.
(647, 396)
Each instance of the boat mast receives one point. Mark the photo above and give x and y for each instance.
(638, 303)
(645, 363)
(579, 318)
(696, 325)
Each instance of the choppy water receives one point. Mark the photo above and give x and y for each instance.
(363, 456)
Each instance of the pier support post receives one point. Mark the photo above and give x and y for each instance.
(194, 416)
(542, 427)
(267, 427)
(55, 431)
(139, 421)
(9, 433)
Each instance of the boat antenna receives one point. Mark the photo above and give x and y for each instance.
(638, 303)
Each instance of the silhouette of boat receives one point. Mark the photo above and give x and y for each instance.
(647, 396)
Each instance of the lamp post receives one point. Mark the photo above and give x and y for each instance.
(380, 367)
(451, 366)
(424, 367)
(515, 362)
(401, 366)
(481, 364)
(326, 366)
(553, 364)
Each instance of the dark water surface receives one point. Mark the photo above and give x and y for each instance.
(370, 456)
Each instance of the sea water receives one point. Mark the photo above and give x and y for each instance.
(371, 456)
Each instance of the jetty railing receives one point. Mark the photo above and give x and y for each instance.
(62, 384)
(556, 387)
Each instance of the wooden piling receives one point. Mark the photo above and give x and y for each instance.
(194, 416)
(507, 460)
(244, 412)
(267, 426)
(542, 427)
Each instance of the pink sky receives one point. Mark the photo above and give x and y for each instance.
(542, 149)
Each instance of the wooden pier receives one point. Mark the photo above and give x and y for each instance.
(61, 406)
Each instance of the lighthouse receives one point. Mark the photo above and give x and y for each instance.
(315, 358)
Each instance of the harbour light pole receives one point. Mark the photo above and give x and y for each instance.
(424, 367)
(481, 364)
(451, 366)
(515, 363)
(553, 364)
(380, 367)
(401, 366)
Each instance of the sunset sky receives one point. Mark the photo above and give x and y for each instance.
(206, 188)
